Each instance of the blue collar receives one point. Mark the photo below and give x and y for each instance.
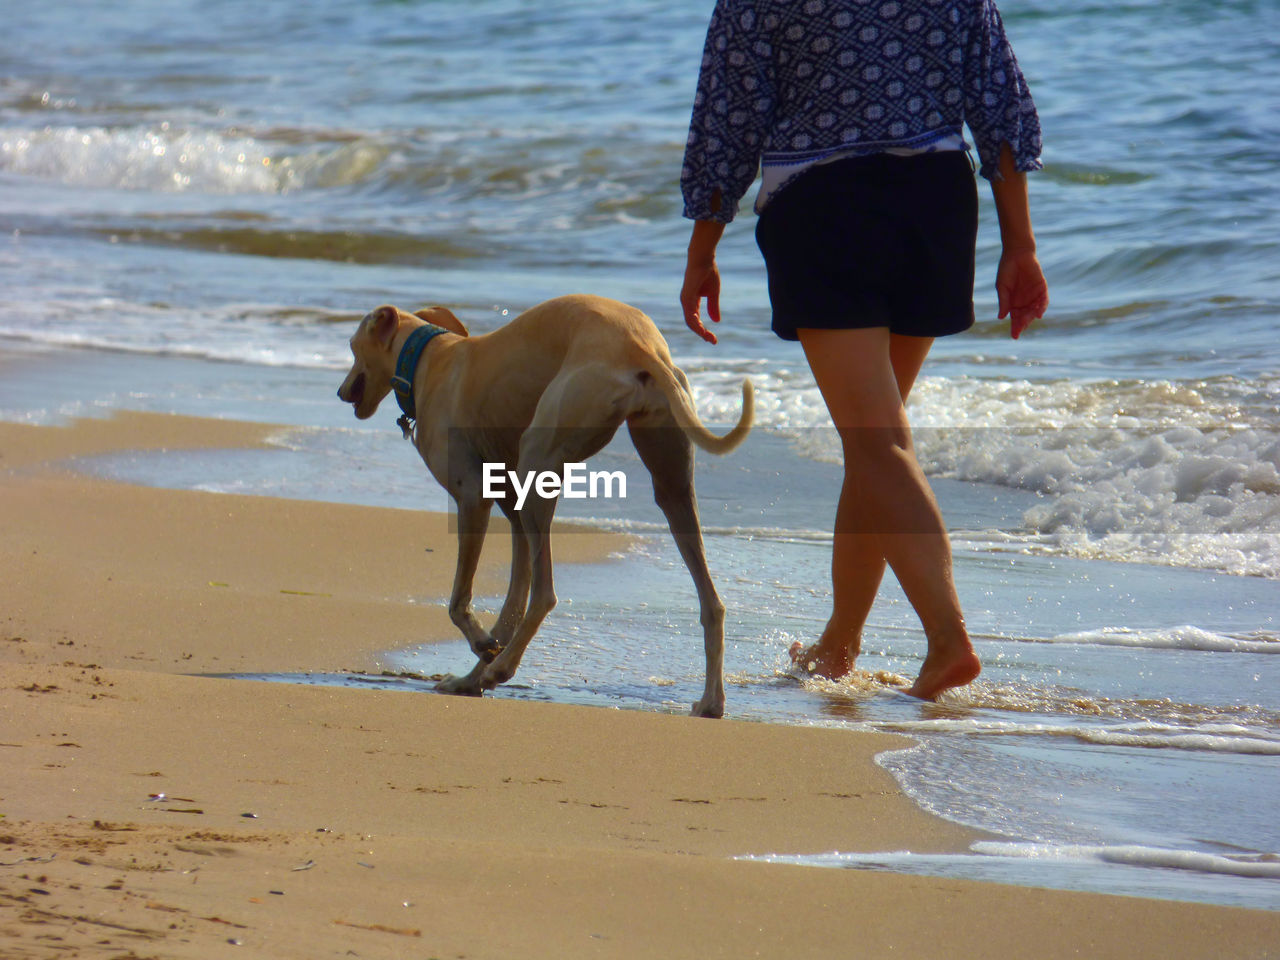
(406, 365)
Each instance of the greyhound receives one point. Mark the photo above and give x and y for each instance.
(549, 388)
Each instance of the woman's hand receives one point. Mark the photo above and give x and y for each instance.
(1021, 289)
(1020, 284)
(701, 280)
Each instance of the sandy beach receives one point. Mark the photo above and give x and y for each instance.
(151, 808)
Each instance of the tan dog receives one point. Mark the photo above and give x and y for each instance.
(549, 388)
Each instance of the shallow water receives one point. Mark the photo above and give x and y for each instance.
(197, 202)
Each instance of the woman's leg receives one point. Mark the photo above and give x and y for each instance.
(887, 511)
(857, 562)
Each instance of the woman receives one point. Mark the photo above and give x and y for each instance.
(868, 217)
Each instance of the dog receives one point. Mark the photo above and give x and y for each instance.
(549, 388)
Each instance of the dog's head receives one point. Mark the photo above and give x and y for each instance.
(374, 357)
(373, 363)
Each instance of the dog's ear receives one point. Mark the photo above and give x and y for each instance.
(383, 324)
(442, 318)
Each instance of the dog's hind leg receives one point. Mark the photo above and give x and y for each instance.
(668, 454)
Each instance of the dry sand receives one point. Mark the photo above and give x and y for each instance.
(151, 809)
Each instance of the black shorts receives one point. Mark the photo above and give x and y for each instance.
(878, 241)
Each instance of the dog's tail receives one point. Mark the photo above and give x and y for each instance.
(677, 394)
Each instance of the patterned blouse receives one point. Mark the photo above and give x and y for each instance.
(791, 83)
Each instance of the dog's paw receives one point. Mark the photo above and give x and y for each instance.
(711, 709)
(460, 686)
(496, 676)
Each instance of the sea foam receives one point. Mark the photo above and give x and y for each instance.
(166, 159)
(1210, 738)
(1265, 866)
(1164, 472)
(1185, 637)
(1252, 865)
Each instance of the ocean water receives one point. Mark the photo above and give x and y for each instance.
(198, 201)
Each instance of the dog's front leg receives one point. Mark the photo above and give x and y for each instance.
(473, 521)
(513, 608)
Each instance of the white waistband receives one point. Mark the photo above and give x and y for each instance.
(775, 176)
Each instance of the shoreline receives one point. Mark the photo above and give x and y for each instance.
(510, 828)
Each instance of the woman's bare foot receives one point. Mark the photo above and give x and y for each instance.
(945, 667)
(822, 661)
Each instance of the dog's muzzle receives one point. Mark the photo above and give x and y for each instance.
(354, 393)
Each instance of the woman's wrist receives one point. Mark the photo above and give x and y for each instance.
(704, 240)
(1021, 249)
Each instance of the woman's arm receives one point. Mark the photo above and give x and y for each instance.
(1021, 288)
(732, 113)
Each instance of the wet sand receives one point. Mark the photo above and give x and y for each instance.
(154, 809)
